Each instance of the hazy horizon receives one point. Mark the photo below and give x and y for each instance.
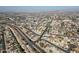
(37, 8)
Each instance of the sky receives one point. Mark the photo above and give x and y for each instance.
(36, 8)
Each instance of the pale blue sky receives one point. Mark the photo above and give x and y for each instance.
(36, 8)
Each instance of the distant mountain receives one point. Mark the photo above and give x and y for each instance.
(57, 9)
